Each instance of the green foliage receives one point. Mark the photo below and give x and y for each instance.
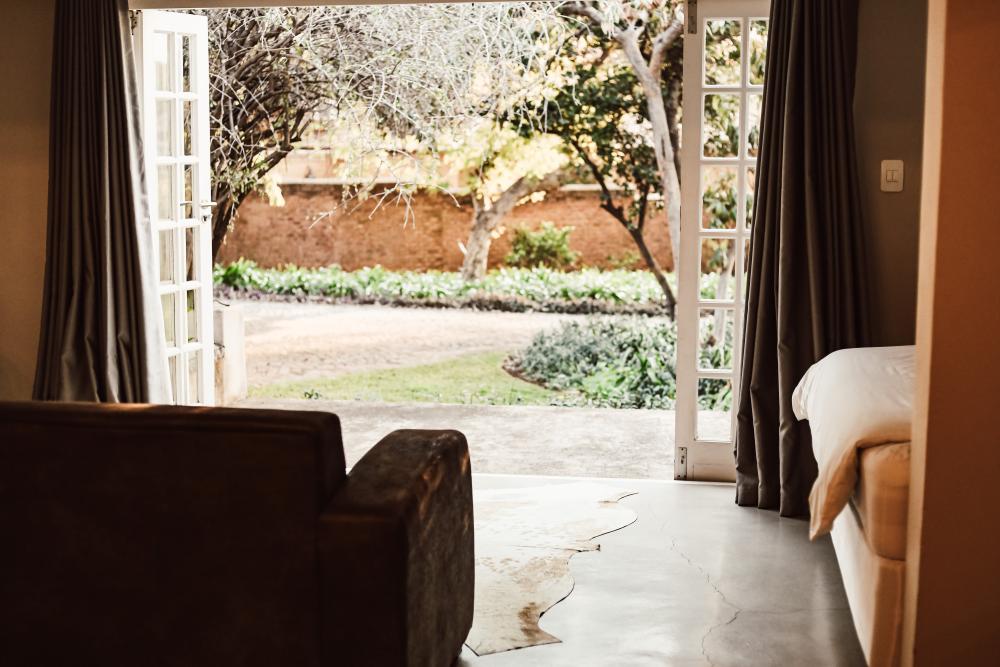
(722, 52)
(548, 246)
(618, 362)
(719, 208)
(537, 284)
(722, 67)
(715, 350)
(722, 125)
(610, 362)
(719, 199)
(602, 119)
(241, 274)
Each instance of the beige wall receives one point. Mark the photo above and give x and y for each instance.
(952, 610)
(25, 63)
(888, 116)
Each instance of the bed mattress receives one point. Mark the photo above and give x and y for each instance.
(874, 587)
(855, 400)
(881, 498)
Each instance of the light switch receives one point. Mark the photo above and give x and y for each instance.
(892, 175)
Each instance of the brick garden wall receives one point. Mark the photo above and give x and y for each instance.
(291, 235)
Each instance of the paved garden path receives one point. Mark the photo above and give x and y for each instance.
(521, 440)
(296, 341)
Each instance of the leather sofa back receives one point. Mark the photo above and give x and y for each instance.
(173, 532)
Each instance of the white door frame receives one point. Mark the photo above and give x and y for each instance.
(172, 58)
(701, 454)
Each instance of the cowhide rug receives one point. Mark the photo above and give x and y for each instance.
(524, 540)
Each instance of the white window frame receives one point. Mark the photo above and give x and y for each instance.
(695, 457)
(190, 338)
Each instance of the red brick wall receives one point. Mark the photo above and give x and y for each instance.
(291, 234)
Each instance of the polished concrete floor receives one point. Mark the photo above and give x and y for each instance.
(695, 581)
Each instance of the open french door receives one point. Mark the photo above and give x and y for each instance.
(172, 53)
(724, 56)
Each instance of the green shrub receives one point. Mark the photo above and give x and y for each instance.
(619, 362)
(240, 274)
(548, 246)
(537, 285)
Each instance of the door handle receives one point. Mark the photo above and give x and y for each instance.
(206, 210)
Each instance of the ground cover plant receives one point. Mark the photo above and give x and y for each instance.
(516, 289)
(619, 362)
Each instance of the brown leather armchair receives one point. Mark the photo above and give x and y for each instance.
(155, 535)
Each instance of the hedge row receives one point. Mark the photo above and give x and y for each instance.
(508, 289)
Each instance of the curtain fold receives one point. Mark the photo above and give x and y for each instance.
(101, 335)
(806, 285)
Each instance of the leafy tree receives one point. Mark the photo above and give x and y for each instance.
(602, 118)
(636, 74)
(647, 33)
(499, 169)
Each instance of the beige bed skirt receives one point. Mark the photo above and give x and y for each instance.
(874, 586)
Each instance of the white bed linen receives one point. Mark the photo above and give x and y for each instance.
(853, 399)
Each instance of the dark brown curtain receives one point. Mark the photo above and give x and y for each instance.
(807, 288)
(97, 333)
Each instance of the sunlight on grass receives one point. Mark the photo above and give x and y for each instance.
(472, 379)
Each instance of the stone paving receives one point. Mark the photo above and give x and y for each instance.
(523, 440)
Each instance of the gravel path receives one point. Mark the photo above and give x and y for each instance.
(293, 341)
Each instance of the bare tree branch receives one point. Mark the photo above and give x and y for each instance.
(406, 71)
(662, 44)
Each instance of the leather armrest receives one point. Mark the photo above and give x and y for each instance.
(397, 555)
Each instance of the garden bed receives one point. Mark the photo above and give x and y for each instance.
(508, 304)
(588, 291)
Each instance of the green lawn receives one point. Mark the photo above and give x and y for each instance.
(471, 379)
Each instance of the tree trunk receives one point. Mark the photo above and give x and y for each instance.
(227, 202)
(486, 220)
(223, 214)
(670, 301)
(663, 149)
(673, 106)
(477, 250)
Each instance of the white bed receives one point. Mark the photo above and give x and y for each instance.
(859, 404)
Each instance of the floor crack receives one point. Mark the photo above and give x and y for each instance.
(708, 579)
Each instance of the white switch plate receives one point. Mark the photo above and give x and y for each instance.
(892, 175)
